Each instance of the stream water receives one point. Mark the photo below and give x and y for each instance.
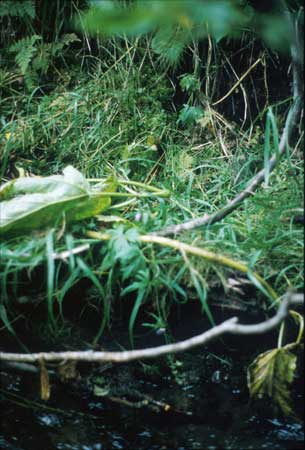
(204, 414)
(198, 400)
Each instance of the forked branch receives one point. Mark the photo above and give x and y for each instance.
(230, 326)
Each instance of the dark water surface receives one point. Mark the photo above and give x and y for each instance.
(206, 391)
(76, 419)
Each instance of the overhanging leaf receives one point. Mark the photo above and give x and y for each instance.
(30, 203)
(271, 375)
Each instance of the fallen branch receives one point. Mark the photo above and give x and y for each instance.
(230, 326)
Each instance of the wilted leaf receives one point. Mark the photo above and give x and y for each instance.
(271, 375)
(34, 202)
(67, 371)
(44, 382)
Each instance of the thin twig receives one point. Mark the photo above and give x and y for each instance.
(237, 83)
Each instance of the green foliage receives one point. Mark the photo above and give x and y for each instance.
(189, 115)
(110, 18)
(50, 275)
(35, 57)
(122, 248)
(270, 123)
(94, 120)
(25, 49)
(141, 286)
(107, 107)
(123, 254)
(17, 8)
(271, 375)
(189, 83)
(177, 23)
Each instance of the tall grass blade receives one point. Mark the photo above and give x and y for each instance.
(50, 276)
(259, 286)
(267, 151)
(202, 293)
(134, 313)
(275, 135)
(87, 271)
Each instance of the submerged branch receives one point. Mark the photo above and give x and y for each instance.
(230, 326)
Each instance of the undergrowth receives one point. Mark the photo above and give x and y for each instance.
(116, 115)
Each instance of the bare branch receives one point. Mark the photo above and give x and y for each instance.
(230, 326)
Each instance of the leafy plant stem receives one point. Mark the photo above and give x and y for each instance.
(196, 251)
(148, 187)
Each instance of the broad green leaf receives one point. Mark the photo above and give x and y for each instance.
(30, 203)
(120, 244)
(271, 375)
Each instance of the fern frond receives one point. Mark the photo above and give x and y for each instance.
(25, 49)
(24, 43)
(14, 8)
